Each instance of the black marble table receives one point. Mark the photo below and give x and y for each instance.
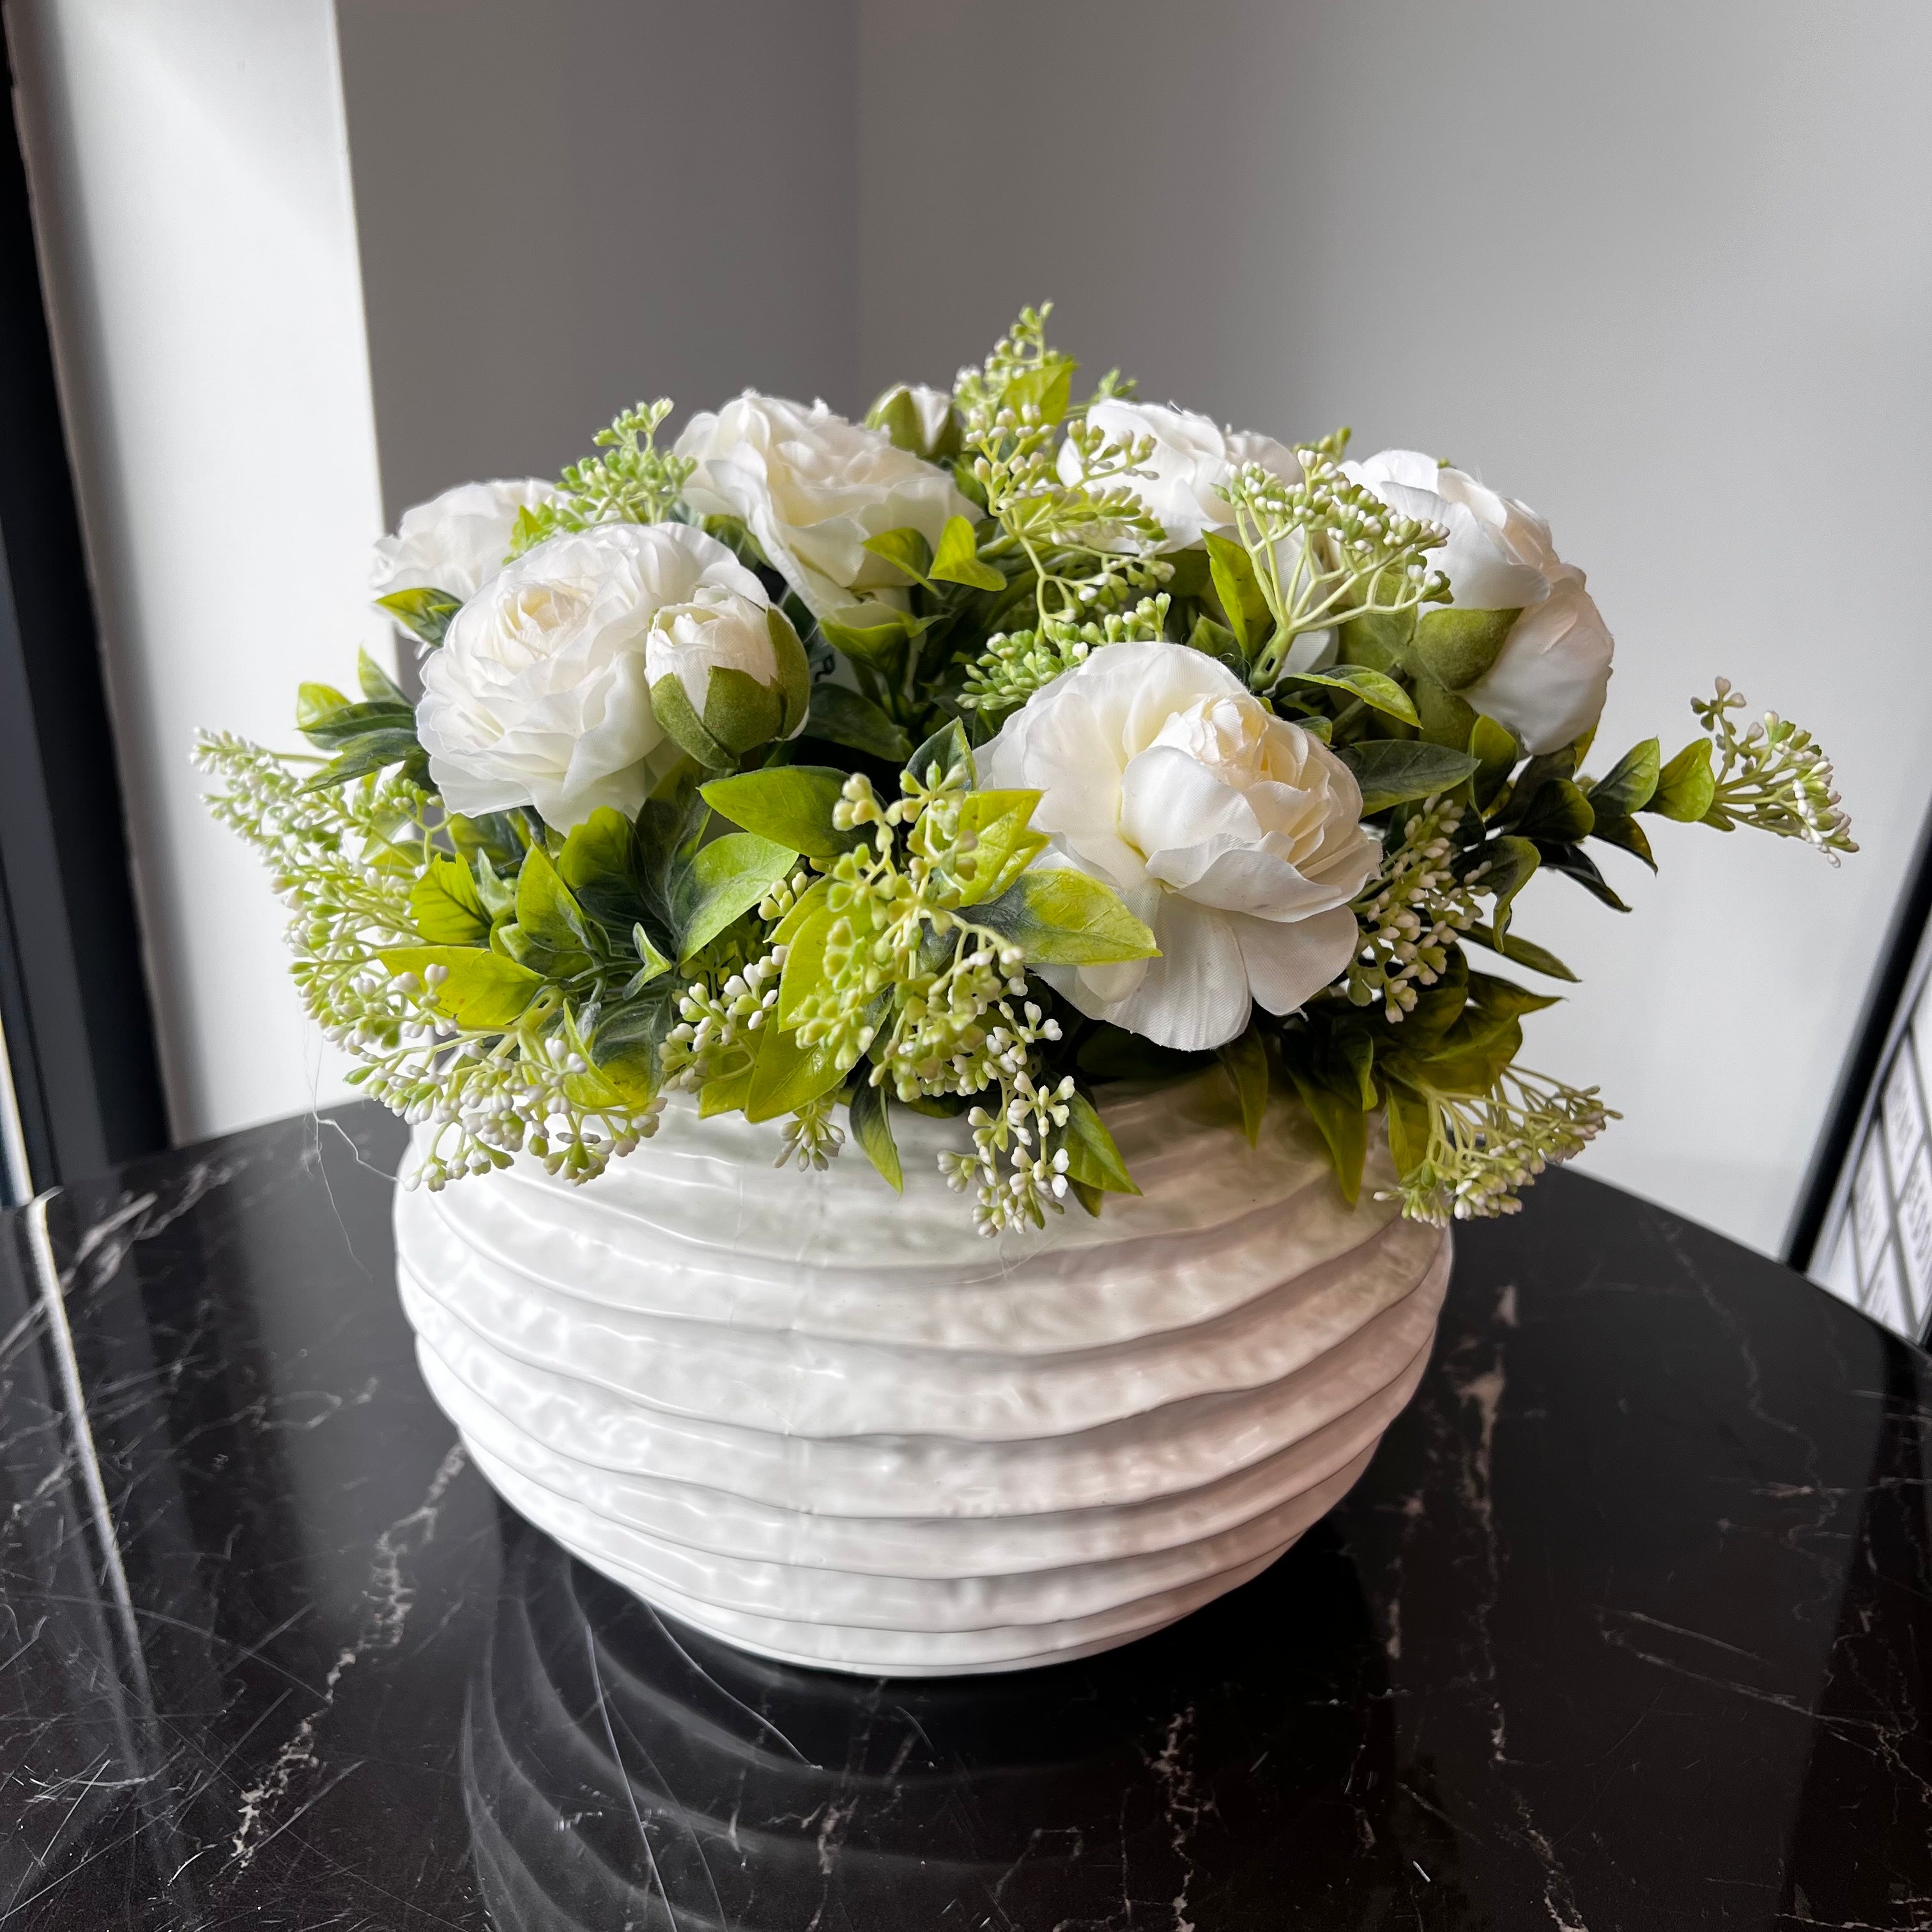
(1629, 1624)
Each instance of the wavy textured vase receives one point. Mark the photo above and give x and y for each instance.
(839, 1429)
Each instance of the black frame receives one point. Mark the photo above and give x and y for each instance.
(78, 1025)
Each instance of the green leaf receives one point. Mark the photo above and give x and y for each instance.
(1048, 387)
(879, 639)
(1473, 1054)
(1456, 647)
(1631, 784)
(808, 904)
(316, 703)
(1111, 1053)
(1407, 1121)
(790, 805)
(1508, 863)
(1504, 999)
(723, 881)
(842, 717)
(1092, 1160)
(1579, 865)
(908, 551)
(1686, 788)
(601, 852)
(1239, 589)
(1381, 693)
(1447, 718)
(1062, 917)
(1523, 951)
(804, 968)
(1246, 1060)
(1495, 753)
(426, 612)
(628, 1034)
(786, 1075)
(1344, 1127)
(378, 686)
(872, 1129)
(484, 992)
(1626, 832)
(958, 559)
(654, 965)
(547, 909)
(1392, 771)
(1557, 814)
(352, 721)
(1002, 823)
(946, 749)
(372, 752)
(1191, 574)
(1218, 642)
(444, 906)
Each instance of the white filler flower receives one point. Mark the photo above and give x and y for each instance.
(455, 542)
(1235, 834)
(541, 693)
(1190, 456)
(1550, 678)
(811, 487)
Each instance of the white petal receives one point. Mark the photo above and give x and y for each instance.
(1171, 804)
(1195, 994)
(1287, 965)
(1548, 684)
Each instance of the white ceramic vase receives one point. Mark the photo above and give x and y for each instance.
(839, 1429)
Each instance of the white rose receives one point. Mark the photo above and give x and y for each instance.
(1548, 682)
(541, 693)
(456, 541)
(811, 487)
(1235, 835)
(1190, 457)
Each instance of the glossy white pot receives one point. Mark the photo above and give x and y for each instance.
(839, 1429)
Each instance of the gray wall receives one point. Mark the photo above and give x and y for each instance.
(1663, 271)
(566, 207)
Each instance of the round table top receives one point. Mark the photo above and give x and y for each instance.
(1629, 1624)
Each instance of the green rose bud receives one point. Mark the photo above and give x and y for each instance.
(726, 675)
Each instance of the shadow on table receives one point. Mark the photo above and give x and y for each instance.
(620, 1769)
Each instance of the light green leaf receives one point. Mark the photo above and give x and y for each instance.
(372, 752)
(906, 550)
(316, 703)
(1381, 693)
(1001, 821)
(484, 991)
(1048, 387)
(444, 906)
(789, 804)
(547, 909)
(1392, 771)
(1092, 1160)
(1243, 602)
(842, 717)
(1495, 752)
(958, 559)
(872, 1129)
(427, 612)
(1246, 1060)
(1686, 788)
(1218, 642)
(655, 965)
(804, 969)
(786, 1074)
(1061, 917)
(803, 907)
(723, 881)
(879, 639)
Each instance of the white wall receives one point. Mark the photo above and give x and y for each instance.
(191, 177)
(1664, 271)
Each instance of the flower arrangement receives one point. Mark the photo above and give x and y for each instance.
(1007, 746)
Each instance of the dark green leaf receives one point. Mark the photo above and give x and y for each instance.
(1523, 951)
(358, 721)
(945, 751)
(1217, 641)
(842, 717)
(371, 752)
(1557, 814)
(1576, 865)
(1408, 1119)
(1631, 783)
(1627, 833)
(1344, 1127)
(1392, 771)
(1246, 1059)
(1111, 1053)
(872, 1129)
(1507, 866)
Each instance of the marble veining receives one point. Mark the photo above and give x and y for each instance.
(1628, 1623)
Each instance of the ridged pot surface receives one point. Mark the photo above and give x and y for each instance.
(837, 1427)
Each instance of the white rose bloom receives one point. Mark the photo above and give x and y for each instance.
(811, 487)
(1235, 835)
(456, 541)
(541, 694)
(1190, 456)
(718, 719)
(1548, 682)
